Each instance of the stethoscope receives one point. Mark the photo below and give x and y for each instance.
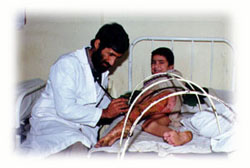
(96, 78)
(105, 91)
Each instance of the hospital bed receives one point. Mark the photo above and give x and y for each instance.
(142, 142)
(27, 94)
(222, 86)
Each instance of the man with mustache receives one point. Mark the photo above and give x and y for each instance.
(65, 118)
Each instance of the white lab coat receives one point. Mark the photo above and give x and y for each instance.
(66, 112)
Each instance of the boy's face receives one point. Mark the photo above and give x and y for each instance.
(159, 64)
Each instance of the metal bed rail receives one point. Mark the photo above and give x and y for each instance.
(179, 39)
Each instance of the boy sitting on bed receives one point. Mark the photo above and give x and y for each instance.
(159, 117)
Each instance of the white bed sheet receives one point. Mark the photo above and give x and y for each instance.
(27, 100)
(27, 94)
(206, 138)
(145, 142)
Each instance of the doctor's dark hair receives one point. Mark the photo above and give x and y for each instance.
(166, 52)
(112, 36)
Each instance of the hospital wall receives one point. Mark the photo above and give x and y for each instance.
(46, 36)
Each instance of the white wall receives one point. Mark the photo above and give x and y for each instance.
(47, 36)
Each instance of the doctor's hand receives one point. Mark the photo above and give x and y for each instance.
(115, 108)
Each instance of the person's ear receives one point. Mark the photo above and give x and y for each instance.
(170, 67)
(97, 44)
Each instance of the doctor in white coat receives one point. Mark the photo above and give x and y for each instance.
(74, 100)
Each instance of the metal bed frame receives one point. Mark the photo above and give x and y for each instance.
(179, 39)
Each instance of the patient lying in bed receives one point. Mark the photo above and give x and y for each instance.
(156, 124)
(157, 117)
